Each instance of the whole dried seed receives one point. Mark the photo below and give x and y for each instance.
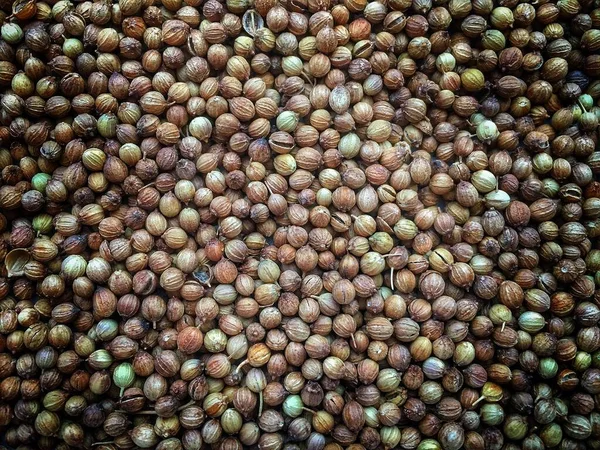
(299, 224)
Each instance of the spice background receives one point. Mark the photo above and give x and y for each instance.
(299, 224)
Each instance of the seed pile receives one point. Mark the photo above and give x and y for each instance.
(300, 224)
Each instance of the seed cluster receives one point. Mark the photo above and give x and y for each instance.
(300, 224)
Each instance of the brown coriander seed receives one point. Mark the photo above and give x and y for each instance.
(240, 211)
